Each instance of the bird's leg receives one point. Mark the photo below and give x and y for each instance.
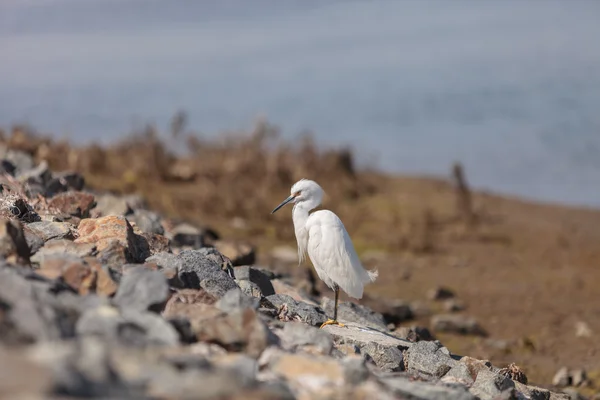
(334, 321)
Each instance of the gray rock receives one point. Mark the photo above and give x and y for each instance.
(405, 388)
(35, 309)
(389, 359)
(57, 247)
(459, 373)
(565, 377)
(6, 167)
(128, 327)
(63, 183)
(50, 230)
(290, 309)
(186, 235)
(297, 336)
(533, 392)
(429, 358)
(382, 348)
(490, 385)
(21, 161)
(454, 323)
(250, 288)
(235, 301)
(147, 221)
(166, 260)
(34, 242)
(108, 204)
(204, 268)
(142, 289)
(454, 305)
(83, 368)
(243, 367)
(256, 276)
(355, 370)
(13, 245)
(352, 312)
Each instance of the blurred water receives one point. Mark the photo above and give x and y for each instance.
(511, 88)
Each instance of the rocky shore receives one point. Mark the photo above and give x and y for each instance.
(101, 297)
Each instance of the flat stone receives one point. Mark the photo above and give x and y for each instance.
(55, 247)
(50, 230)
(356, 313)
(384, 349)
(405, 388)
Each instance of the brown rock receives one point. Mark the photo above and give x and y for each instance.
(77, 204)
(104, 284)
(237, 331)
(474, 365)
(105, 231)
(238, 252)
(13, 246)
(156, 243)
(83, 275)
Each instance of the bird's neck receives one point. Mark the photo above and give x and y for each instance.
(300, 214)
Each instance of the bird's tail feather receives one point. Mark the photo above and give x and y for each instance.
(372, 274)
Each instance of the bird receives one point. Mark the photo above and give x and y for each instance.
(323, 236)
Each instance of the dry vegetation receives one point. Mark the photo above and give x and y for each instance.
(527, 272)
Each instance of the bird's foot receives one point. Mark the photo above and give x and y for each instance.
(332, 322)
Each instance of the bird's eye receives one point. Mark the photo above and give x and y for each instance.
(297, 194)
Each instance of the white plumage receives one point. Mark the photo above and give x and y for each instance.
(323, 236)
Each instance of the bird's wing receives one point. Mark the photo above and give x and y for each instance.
(331, 251)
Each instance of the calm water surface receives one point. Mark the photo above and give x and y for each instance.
(511, 88)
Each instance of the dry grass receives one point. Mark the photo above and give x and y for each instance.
(240, 175)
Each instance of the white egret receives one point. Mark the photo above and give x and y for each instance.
(323, 235)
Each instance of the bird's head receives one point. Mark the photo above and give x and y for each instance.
(304, 191)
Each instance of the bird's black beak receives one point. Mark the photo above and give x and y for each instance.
(283, 203)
